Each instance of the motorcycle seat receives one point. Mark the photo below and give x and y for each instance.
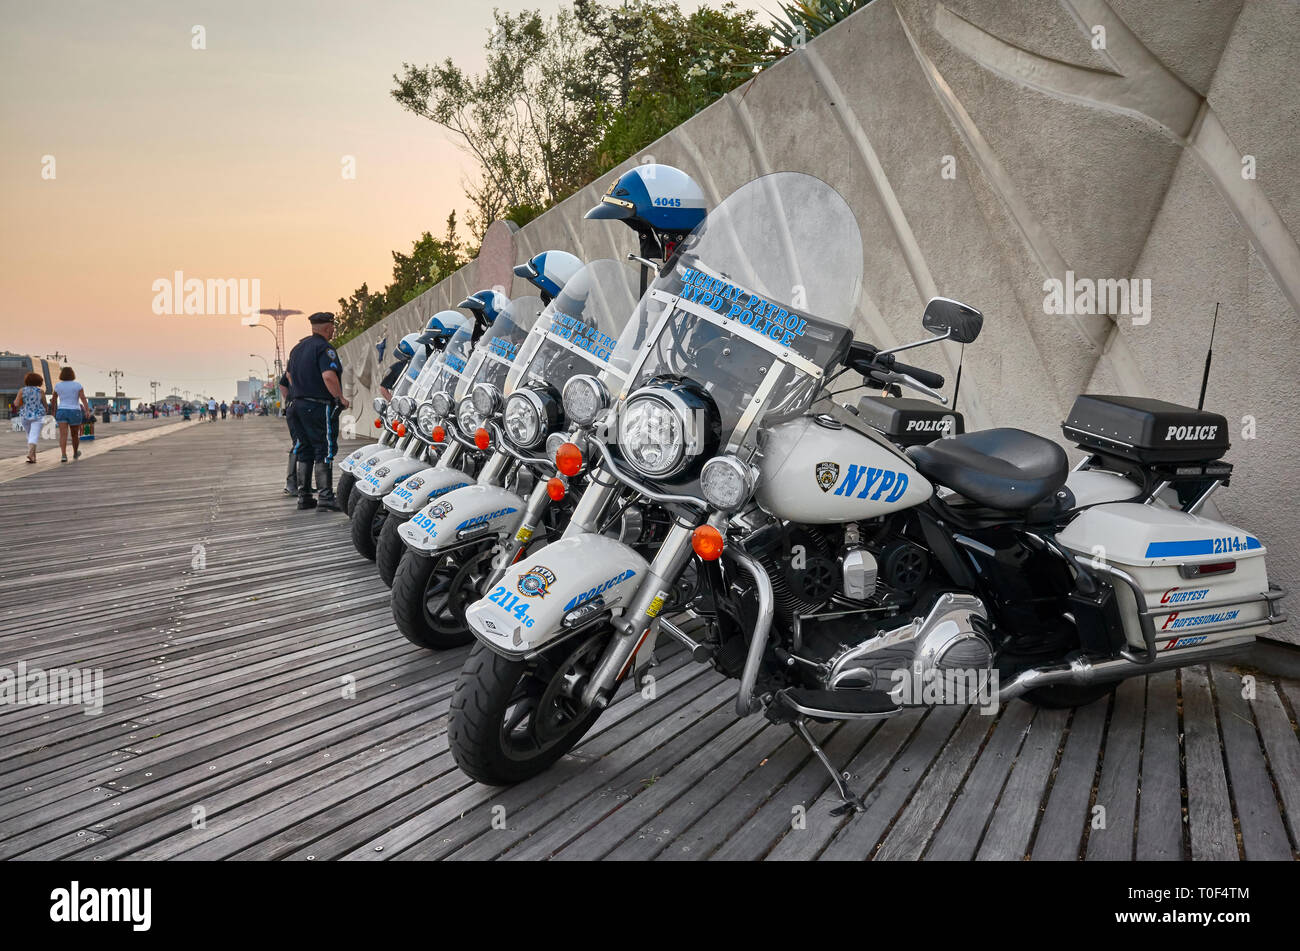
(1006, 469)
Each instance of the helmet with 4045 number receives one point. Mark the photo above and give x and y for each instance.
(659, 202)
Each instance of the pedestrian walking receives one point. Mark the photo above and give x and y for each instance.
(212, 408)
(72, 410)
(314, 375)
(32, 409)
(224, 408)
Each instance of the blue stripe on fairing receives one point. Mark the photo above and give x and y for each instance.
(1199, 546)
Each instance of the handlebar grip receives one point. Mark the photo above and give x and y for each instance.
(926, 377)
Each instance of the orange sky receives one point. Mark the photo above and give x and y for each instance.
(220, 163)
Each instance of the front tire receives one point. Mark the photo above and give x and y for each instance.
(390, 548)
(510, 719)
(430, 596)
(367, 521)
(343, 490)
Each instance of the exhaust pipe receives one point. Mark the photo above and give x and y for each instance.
(1082, 671)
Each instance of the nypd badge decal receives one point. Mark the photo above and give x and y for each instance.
(828, 473)
(535, 582)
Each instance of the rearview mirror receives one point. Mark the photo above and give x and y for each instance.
(959, 321)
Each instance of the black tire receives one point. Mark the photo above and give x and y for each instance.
(1068, 696)
(488, 691)
(353, 499)
(428, 603)
(344, 489)
(390, 548)
(367, 521)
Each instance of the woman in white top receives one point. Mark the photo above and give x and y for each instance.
(32, 408)
(69, 413)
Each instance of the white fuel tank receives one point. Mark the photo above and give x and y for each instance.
(817, 470)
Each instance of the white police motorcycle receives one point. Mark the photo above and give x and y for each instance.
(842, 578)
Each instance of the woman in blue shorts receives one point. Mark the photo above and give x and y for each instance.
(72, 410)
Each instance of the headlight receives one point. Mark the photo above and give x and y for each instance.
(652, 434)
(553, 442)
(380, 404)
(486, 399)
(404, 405)
(584, 397)
(426, 418)
(468, 417)
(726, 482)
(442, 404)
(522, 419)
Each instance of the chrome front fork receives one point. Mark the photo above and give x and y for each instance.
(631, 629)
(537, 503)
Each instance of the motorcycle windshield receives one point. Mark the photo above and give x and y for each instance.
(578, 330)
(757, 305)
(498, 347)
(442, 374)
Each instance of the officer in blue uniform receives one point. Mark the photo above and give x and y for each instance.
(316, 389)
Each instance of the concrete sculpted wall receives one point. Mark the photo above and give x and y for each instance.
(1094, 175)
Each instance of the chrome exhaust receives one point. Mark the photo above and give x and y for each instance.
(1083, 671)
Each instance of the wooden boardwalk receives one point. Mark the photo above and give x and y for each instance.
(260, 704)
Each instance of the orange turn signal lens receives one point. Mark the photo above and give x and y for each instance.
(400, 429)
(556, 488)
(707, 542)
(379, 423)
(439, 434)
(482, 438)
(568, 459)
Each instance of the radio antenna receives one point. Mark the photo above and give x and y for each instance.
(1209, 357)
(956, 385)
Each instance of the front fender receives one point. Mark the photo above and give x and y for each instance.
(417, 491)
(380, 480)
(356, 455)
(526, 609)
(488, 509)
(363, 466)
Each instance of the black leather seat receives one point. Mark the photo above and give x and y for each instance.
(1007, 469)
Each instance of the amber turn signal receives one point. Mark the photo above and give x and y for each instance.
(568, 459)
(400, 429)
(379, 423)
(439, 434)
(482, 438)
(707, 542)
(556, 488)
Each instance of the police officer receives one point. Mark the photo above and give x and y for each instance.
(316, 390)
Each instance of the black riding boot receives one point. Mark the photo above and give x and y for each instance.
(305, 500)
(325, 483)
(291, 477)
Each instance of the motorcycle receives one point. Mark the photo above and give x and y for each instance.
(841, 577)
(442, 558)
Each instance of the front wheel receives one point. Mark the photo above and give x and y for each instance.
(511, 719)
(368, 519)
(390, 548)
(344, 489)
(430, 596)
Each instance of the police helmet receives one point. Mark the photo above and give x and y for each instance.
(657, 199)
(487, 305)
(549, 272)
(405, 348)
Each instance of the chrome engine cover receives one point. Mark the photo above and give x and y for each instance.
(951, 637)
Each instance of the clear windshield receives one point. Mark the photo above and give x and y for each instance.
(443, 373)
(757, 305)
(498, 347)
(578, 330)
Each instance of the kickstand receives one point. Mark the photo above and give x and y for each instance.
(851, 802)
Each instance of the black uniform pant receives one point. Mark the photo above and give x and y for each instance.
(318, 429)
(295, 432)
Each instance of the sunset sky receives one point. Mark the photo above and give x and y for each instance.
(219, 163)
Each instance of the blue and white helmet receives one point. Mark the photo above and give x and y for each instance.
(487, 305)
(549, 271)
(405, 348)
(657, 198)
(441, 327)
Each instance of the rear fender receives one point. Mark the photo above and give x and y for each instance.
(380, 480)
(475, 510)
(415, 492)
(525, 610)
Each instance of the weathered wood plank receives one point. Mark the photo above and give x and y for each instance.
(1209, 812)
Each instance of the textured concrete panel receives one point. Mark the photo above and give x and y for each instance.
(1114, 162)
